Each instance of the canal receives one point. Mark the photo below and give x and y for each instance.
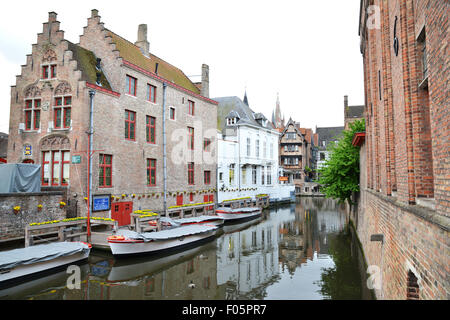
(300, 251)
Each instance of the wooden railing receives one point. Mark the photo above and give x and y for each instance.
(63, 231)
(195, 210)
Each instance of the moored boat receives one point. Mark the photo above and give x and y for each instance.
(238, 214)
(204, 219)
(18, 265)
(127, 243)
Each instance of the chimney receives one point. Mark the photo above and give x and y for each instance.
(205, 81)
(142, 42)
(94, 13)
(345, 106)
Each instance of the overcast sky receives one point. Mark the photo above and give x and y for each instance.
(308, 51)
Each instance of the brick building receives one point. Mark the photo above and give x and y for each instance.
(404, 199)
(50, 116)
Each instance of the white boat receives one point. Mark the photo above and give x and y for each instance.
(19, 265)
(204, 219)
(127, 243)
(238, 214)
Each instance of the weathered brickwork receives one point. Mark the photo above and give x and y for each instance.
(405, 183)
(76, 75)
(12, 224)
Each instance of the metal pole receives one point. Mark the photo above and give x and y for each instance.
(90, 133)
(164, 148)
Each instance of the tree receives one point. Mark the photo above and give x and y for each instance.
(339, 177)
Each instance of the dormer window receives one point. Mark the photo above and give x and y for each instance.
(231, 121)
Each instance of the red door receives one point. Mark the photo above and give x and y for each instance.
(121, 211)
(211, 199)
(179, 200)
(208, 198)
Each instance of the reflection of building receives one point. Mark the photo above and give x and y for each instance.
(247, 261)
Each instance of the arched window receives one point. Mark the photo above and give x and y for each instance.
(55, 161)
(49, 65)
(412, 284)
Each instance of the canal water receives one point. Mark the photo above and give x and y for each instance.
(300, 251)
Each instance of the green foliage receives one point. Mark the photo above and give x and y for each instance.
(339, 177)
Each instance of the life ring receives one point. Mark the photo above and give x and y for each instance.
(153, 222)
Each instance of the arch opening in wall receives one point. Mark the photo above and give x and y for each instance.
(412, 286)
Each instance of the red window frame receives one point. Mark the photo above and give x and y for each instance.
(45, 72)
(191, 180)
(190, 138)
(191, 107)
(151, 172)
(172, 113)
(43, 166)
(62, 110)
(150, 129)
(52, 176)
(131, 89)
(32, 114)
(207, 145)
(53, 71)
(151, 93)
(130, 125)
(63, 164)
(207, 177)
(191, 197)
(102, 183)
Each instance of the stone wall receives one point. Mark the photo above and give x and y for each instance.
(12, 225)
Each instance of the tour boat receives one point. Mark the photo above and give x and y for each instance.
(238, 214)
(18, 265)
(127, 242)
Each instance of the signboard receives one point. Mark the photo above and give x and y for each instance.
(27, 150)
(76, 159)
(284, 178)
(101, 202)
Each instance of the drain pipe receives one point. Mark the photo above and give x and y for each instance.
(164, 148)
(89, 156)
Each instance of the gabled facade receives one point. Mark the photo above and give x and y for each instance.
(50, 113)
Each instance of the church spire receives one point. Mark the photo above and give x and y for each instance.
(245, 97)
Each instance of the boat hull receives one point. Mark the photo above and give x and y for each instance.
(27, 272)
(237, 217)
(127, 247)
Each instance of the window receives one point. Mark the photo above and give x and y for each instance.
(45, 72)
(322, 156)
(130, 125)
(151, 172)
(271, 150)
(62, 112)
(56, 168)
(151, 93)
(269, 175)
(172, 113)
(221, 176)
(231, 176)
(150, 129)
(254, 174)
(105, 171)
(248, 147)
(207, 177)
(207, 145)
(262, 175)
(131, 85)
(191, 107)
(257, 148)
(191, 173)
(265, 149)
(191, 197)
(49, 71)
(412, 291)
(32, 114)
(190, 138)
(244, 175)
(53, 71)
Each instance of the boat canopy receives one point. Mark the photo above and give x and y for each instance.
(198, 219)
(245, 210)
(167, 234)
(39, 253)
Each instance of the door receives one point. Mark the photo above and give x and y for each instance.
(179, 200)
(211, 199)
(121, 211)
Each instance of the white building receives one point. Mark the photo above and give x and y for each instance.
(247, 153)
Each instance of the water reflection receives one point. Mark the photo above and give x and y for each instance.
(299, 251)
